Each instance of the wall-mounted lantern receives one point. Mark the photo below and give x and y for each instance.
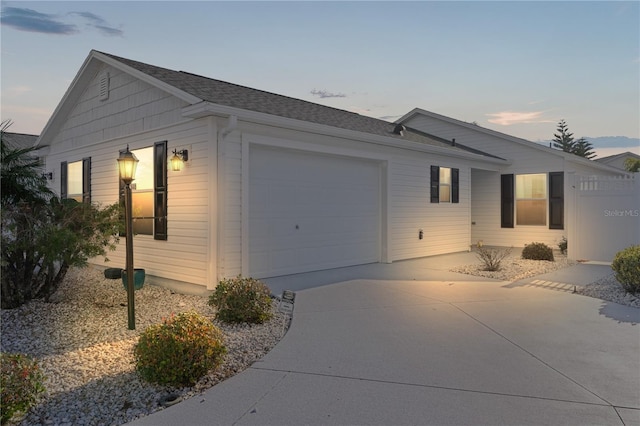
(178, 159)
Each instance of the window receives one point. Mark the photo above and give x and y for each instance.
(531, 199)
(527, 196)
(444, 185)
(142, 192)
(149, 192)
(75, 180)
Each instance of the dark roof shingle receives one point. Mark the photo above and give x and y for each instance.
(236, 96)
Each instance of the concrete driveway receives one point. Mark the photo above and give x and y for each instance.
(443, 352)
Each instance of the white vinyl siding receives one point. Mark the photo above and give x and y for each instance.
(446, 226)
(140, 115)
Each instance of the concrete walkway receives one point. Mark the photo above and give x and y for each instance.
(449, 350)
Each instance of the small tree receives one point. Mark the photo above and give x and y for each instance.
(564, 138)
(583, 148)
(632, 165)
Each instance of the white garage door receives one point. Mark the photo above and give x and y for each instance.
(310, 212)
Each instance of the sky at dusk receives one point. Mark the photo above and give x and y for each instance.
(515, 67)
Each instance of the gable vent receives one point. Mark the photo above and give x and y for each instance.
(104, 86)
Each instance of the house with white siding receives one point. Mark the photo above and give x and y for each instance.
(274, 185)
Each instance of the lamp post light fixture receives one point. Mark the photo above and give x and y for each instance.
(127, 163)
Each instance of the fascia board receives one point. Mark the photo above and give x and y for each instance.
(567, 156)
(204, 109)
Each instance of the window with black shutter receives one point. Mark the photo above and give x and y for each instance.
(160, 190)
(445, 185)
(75, 180)
(149, 192)
(506, 201)
(556, 200)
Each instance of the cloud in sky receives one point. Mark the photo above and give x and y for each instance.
(327, 94)
(32, 21)
(507, 118)
(29, 20)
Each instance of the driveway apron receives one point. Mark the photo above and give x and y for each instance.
(436, 352)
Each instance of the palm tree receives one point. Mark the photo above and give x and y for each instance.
(21, 176)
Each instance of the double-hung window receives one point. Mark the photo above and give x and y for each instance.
(75, 180)
(149, 191)
(532, 200)
(445, 185)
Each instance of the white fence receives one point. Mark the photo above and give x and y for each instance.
(604, 216)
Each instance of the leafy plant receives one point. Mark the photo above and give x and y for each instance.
(626, 265)
(43, 235)
(562, 245)
(537, 251)
(242, 299)
(20, 384)
(180, 350)
(492, 258)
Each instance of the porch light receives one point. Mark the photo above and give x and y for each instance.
(127, 163)
(178, 159)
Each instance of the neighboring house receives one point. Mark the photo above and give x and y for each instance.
(275, 185)
(19, 140)
(618, 160)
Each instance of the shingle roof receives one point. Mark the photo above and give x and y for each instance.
(236, 96)
(19, 140)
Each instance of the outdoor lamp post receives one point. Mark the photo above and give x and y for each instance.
(127, 163)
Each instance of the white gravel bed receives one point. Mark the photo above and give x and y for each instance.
(515, 268)
(82, 342)
(609, 289)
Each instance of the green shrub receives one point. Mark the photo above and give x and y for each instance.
(20, 384)
(492, 258)
(626, 265)
(537, 251)
(242, 299)
(180, 350)
(563, 245)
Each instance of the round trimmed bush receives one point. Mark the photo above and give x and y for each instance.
(20, 384)
(626, 265)
(537, 251)
(180, 350)
(242, 299)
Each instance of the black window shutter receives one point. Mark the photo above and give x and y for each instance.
(506, 201)
(160, 190)
(455, 185)
(86, 180)
(63, 180)
(435, 184)
(121, 201)
(556, 200)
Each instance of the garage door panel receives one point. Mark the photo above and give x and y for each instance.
(310, 211)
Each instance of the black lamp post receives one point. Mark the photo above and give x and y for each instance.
(127, 163)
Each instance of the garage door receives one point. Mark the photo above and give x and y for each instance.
(311, 212)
